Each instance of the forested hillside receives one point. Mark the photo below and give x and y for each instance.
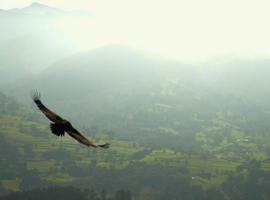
(215, 158)
(68, 193)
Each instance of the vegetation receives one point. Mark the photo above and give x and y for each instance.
(68, 193)
(177, 131)
(221, 160)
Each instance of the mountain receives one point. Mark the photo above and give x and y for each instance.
(243, 78)
(37, 9)
(90, 75)
(33, 38)
(116, 86)
(35, 19)
(27, 55)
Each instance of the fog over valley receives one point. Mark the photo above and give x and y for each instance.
(179, 89)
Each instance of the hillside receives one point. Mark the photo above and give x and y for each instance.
(177, 131)
(145, 99)
(176, 136)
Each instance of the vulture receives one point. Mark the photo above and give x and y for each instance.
(60, 125)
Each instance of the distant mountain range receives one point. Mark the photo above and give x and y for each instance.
(116, 80)
(34, 55)
(32, 39)
(41, 9)
(36, 8)
(34, 19)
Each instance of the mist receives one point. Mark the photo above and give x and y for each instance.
(190, 31)
(179, 89)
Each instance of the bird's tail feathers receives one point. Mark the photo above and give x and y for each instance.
(105, 146)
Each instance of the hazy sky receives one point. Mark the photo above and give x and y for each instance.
(181, 29)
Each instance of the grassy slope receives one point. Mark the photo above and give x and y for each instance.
(222, 147)
(20, 133)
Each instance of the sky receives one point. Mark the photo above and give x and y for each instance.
(191, 30)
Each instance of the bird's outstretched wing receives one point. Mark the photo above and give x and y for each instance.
(80, 138)
(58, 120)
(48, 113)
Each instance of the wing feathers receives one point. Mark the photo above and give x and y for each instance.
(60, 126)
(48, 113)
(80, 138)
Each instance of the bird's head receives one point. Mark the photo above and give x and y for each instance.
(68, 124)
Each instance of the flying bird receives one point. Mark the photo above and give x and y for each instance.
(60, 125)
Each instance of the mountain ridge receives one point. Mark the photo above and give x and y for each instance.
(36, 8)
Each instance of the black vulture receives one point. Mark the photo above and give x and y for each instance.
(60, 125)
